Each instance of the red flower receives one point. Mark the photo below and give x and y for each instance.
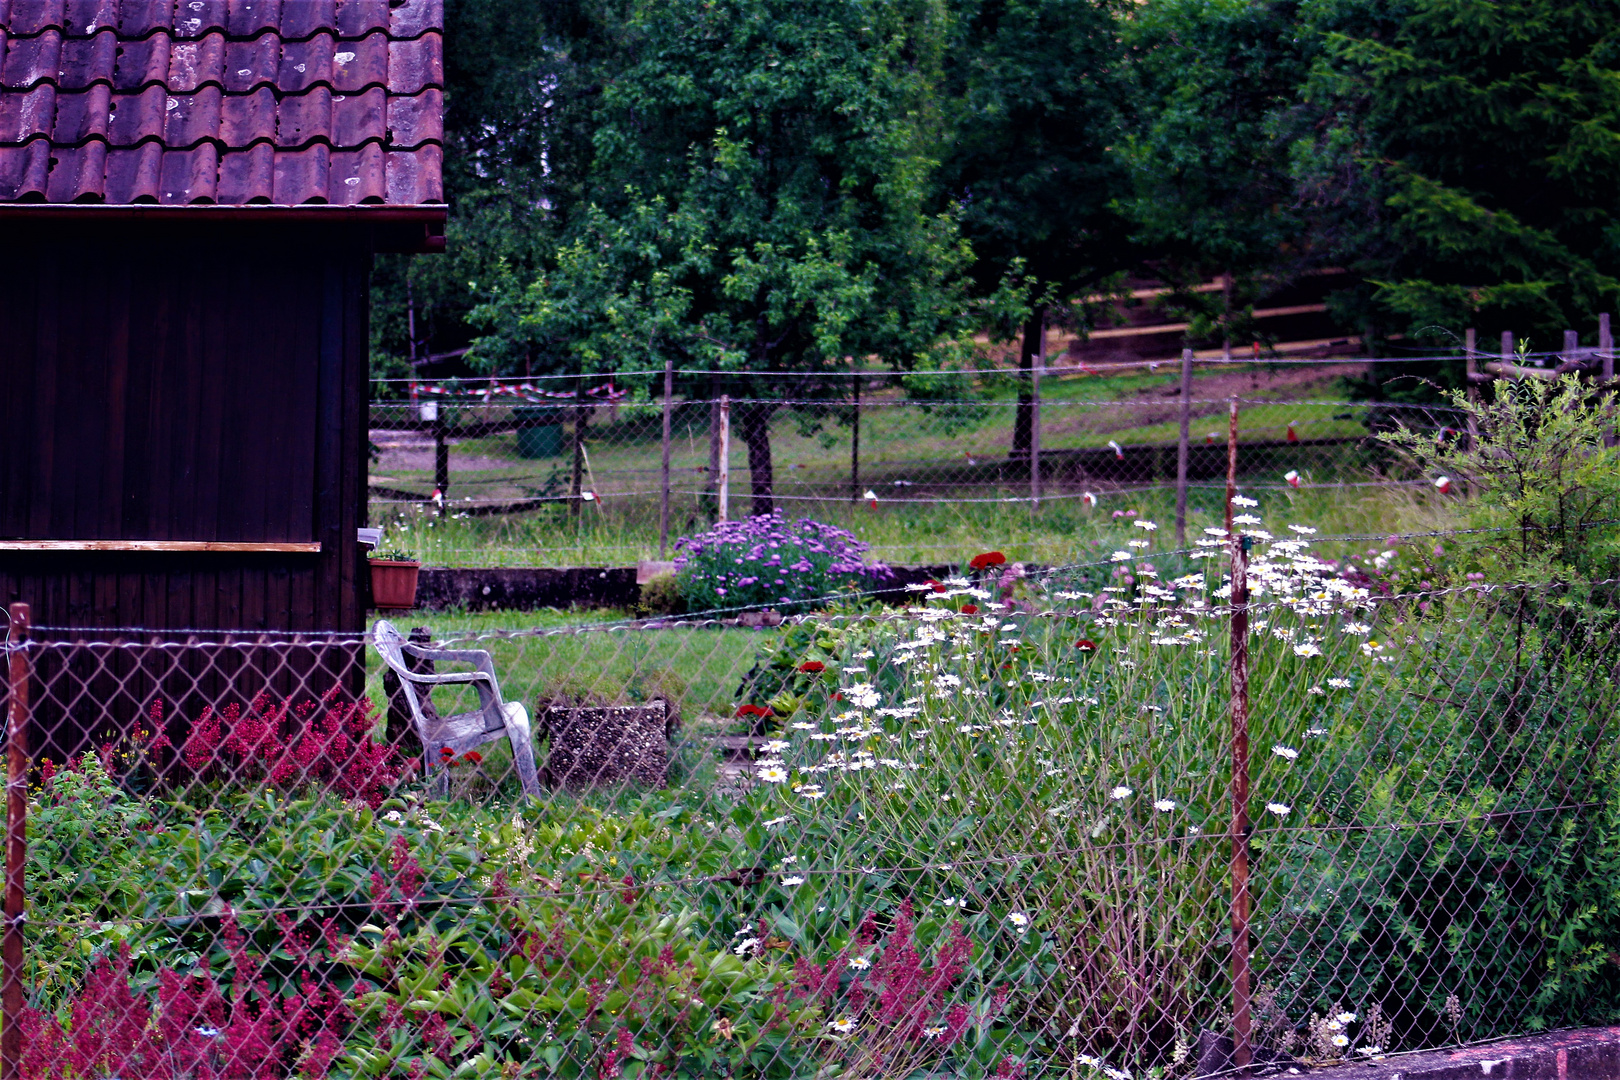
(446, 753)
(753, 710)
(473, 757)
(970, 609)
(936, 586)
(1085, 644)
(812, 667)
(987, 559)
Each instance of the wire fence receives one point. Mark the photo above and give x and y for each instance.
(588, 474)
(1092, 820)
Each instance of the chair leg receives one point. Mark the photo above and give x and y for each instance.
(522, 742)
(438, 785)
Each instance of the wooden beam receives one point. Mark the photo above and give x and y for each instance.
(311, 548)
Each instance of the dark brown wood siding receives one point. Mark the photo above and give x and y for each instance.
(159, 382)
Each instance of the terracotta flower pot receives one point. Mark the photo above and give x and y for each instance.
(393, 583)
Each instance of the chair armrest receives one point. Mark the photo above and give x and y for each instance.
(448, 677)
(465, 656)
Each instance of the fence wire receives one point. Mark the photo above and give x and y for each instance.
(460, 480)
(989, 833)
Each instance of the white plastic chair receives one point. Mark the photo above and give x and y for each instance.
(493, 719)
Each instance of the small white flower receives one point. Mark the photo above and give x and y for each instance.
(1307, 648)
(1215, 530)
(774, 774)
(1280, 809)
(1144, 523)
(859, 963)
(791, 882)
(1346, 1018)
(1339, 684)
(746, 945)
(810, 791)
(1122, 556)
(844, 1026)
(1303, 530)
(933, 1031)
(1243, 500)
(1019, 920)
(1287, 753)
(1136, 543)
(1164, 806)
(1359, 629)
(1341, 1040)
(954, 902)
(773, 822)
(1317, 690)
(1120, 792)
(1245, 519)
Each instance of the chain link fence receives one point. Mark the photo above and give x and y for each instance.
(525, 474)
(1081, 822)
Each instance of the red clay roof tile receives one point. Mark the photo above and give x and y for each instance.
(185, 102)
(356, 18)
(88, 60)
(250, 17)
(138, 116)
(32, 16)
(81, 114)
(142, 63)
(25, 115)
(360, 118)
(88, 16)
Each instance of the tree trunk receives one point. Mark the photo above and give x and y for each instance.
(756, 432)
(1028, 350)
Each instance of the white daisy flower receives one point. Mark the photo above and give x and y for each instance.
(810, 791)
(1144, 523)
(1341, 1040)
(1303, 530)
(1120, 792)
(1019, 920)
(1346, 1018)
(773, 774)
(859, 963)
(1307, 648)
(1280, 809)
(844, 1026)
(1287, 753)
(1244, 500)
(1339, 684)
(1246, 519)
(791, 882)
(1164, 806)
(933, 1031)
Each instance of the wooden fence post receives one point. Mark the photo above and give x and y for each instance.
(1572, 347)
(11, 952)
(1182, 447)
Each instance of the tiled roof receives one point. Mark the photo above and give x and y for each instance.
(195, 102)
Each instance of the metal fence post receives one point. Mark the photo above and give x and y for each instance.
(1182, 447)
(1037, 365)
(1242, 1048)
(855, 446)
(725, 456)
(11, 952)
(1606, 357)
(575, 486)
(441, 460)
(1471, 381)
(663, 491)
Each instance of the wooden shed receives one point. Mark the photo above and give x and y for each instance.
(191, 193)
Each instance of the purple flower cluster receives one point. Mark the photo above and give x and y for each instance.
(768, 560)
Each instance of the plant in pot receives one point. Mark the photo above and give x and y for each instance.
(393, 578)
